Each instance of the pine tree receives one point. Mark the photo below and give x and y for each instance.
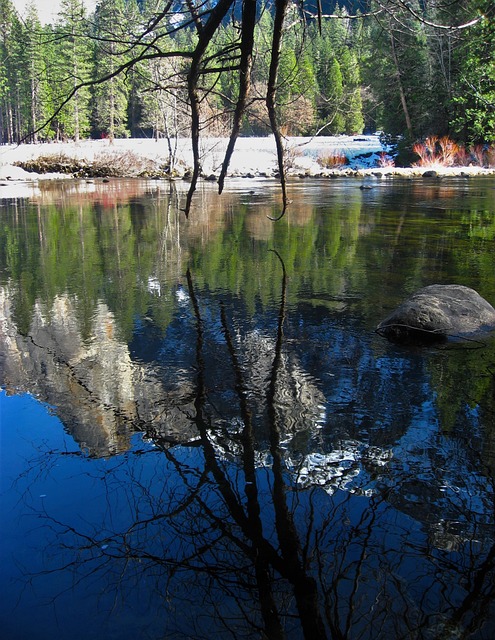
(37, 88)
(133, 20)
(111, 95)
(399, 74)
(15, 71)
(297, 85)
(257, 122)
(353, 109)
(6, 106)
(334, 99)
(474, 91)
(19, 72)
(338, 78)
(71, 54)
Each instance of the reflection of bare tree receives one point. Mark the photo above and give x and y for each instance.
(233, 540)
(288, 559)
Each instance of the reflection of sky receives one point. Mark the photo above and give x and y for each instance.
(436, 473)
(378, 430)
(65, 507)
(360, 436)
(352, 420)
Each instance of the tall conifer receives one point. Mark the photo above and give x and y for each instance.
(72, 68)
(112, 92)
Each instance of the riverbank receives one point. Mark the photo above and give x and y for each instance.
(253, 157)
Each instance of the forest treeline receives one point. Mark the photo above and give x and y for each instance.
(125, 69)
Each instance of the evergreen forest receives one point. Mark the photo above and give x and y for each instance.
(408, 69)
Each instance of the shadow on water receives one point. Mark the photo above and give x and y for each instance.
(257, 499)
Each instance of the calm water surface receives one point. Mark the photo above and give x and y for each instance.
(202, 436)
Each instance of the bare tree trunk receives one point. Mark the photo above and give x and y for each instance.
(34, 101)
(247, 44)
(18, 118)
(76, 93)
(111, 119)
(34, 123)
(402, 94)
(205, 34)
(171, 132)
(278, 25)
(10, 123)
(76, 118)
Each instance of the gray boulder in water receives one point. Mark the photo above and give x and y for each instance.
(437, 312)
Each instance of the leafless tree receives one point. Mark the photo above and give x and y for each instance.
(204, 63)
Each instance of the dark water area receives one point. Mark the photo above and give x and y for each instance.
(203, 436)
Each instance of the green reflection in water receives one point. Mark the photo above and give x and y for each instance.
(345, 250)
(378, 245)
(349, 256)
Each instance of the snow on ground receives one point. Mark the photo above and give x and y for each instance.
(250, 155)
(259, 154)
(256, 156)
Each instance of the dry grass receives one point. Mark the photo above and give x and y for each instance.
(483, 155)
(124, 164)
(115, 164)
(384, 160)
(436, 151)
(444, 152)
(333, 160)
(490, 156)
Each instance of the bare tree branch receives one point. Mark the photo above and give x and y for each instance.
(247, 44)
(280, 12)
(206, 34)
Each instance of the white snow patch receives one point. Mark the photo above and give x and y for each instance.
(257, 155)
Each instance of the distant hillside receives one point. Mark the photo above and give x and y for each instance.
(330, 6)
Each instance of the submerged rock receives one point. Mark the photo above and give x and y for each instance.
(430, 174)
(437, 312)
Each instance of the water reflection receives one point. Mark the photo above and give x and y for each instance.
(296, 476)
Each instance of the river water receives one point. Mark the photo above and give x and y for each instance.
(203, 436)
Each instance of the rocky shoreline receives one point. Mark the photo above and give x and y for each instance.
(15, 173)
(253, 158)
(379, 173)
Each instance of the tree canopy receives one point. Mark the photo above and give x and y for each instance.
(170, 68)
